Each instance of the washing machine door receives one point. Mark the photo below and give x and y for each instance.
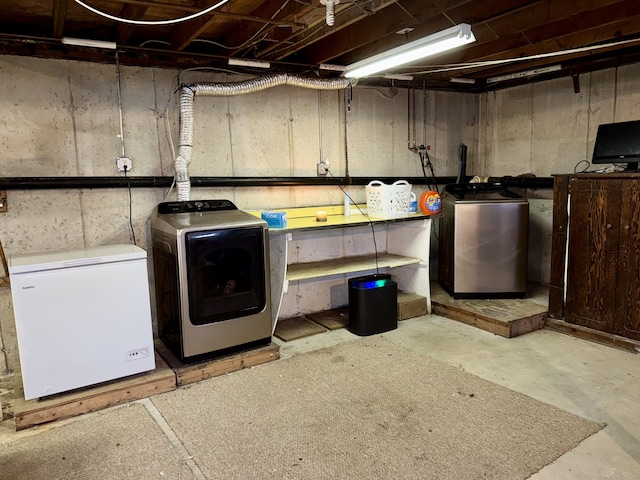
(226, 272)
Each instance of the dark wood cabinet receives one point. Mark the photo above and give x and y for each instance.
(599, 243)
(628, 281)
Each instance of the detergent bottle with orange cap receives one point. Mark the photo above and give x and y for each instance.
(430, 202)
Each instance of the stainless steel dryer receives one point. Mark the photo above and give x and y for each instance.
(211, 265)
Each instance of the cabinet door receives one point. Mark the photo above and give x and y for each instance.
(628, 295)
(593, 253)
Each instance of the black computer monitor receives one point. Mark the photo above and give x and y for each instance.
(618, 143)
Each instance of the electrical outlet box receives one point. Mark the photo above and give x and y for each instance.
(323, 168)
(124, 162)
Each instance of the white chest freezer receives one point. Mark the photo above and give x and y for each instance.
(82, 317)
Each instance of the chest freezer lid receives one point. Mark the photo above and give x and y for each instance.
(39, 262)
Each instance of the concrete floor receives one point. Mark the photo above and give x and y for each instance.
(595, 381)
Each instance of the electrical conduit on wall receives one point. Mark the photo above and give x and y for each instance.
(188, 92)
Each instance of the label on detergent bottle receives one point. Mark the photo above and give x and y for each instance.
(430, 202)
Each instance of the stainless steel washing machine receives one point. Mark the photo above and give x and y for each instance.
(211, 266)
(483, 245)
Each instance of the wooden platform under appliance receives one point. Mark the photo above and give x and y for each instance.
(191, 373)
(169, 373)
(28, 413)
(505, 317)
(410, 305)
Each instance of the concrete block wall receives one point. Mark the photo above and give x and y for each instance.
(318, 294)
(61, 118)
(545, 129)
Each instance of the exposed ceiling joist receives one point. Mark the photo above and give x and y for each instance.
(293, 36)
(59, 14)
(123, 30)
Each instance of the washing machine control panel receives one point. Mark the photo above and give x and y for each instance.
(191, 206)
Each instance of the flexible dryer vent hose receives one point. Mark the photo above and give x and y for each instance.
(210, 89)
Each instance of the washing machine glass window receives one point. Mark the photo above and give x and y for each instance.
(226, 274)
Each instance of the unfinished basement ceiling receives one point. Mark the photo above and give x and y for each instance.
(294, 37)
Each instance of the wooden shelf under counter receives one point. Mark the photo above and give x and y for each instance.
(337, 266)
(404, 251)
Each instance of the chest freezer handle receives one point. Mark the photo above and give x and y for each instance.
(82, 262)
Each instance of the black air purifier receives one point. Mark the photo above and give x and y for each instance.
(373, 304)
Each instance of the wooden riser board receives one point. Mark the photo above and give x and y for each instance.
(411, 305)
(191, 373)
(508, 318)
(28, 413)
(592, 335)
(293, 328)
(331, 319)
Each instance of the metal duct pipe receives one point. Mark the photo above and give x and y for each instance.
(215, 89)
(185, 147)
(188, 92)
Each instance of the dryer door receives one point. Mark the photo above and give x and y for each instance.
(226, 274)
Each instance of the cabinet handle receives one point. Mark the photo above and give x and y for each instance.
(609, 226)
(627, 227)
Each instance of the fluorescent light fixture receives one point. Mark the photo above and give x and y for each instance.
(468, 81)
(239, 62)
(424, 47)
(406, 78)
(82, 42)
(332, 67)
(528, 73)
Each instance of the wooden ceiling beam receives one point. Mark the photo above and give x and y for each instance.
(393, 18)
(570, 32)
(481, 12)
(181, 7)
(345, 14)
(460, 12)
(542, 12)
(567, 37)
(592, 36)
(474, 13)
(185, 33)
(125, 30)
(188, 9)
(273, 9)
(59, 15)
(586, 20)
